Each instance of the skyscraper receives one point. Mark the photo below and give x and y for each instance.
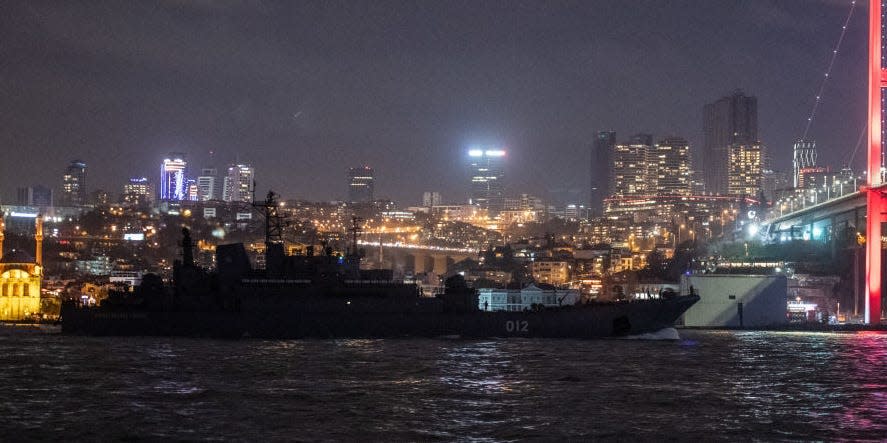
(361, 184)
(732, 120)
(238, 183)
(173, 185)
(601, 169)
(631, 167)
(207, 185)
(671, 161)
(74, 184)
(487, 171)
(36, 195)
(803, 156)
(745, 176)
(431, 198)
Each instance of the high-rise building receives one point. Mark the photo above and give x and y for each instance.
(745, 176)
(361, 183)
(238, 183)
(730, 121)
(193, 192)
(40, 196)
(774, 184)
(74, 184)
(207, 185)
(173, 185)
(601, 169)
(138, 191)
(671, 160)
(487, 170)
(803, 157)
(430, 199)
(631, 168)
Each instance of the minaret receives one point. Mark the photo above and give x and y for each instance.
(38, 239)
(2, 234)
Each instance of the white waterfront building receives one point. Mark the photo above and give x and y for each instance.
(492, 299)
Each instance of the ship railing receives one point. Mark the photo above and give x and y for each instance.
(275, 281)
(371, 282)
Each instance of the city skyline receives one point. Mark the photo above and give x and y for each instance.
(548, 113)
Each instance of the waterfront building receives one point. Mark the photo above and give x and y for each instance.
(730, 121)
(746, 169)
(601, 169)
(487, 170)
(173, 186)
(361, 184)
(238, 183)
(20, 277)
(74, 184)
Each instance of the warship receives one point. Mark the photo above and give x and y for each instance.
(328, 296)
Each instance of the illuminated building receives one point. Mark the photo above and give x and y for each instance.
(732, 120)
(803, 157)
(192, 191)
(671, 161)
(39, 196)
(553, 272)
(74, 184)
(172, 178)
(746, 170)
(430, 199)
(602, 169)
(207, 185)
(487, 171)
(20, 278)
(631, 168)
(238, 184)
(361, 183)
(138, 191)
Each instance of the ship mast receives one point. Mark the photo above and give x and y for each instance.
(273, 220)
(355, 231)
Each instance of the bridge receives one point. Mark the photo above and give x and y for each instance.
(414, 257)
(863, 210)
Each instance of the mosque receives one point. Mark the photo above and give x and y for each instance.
(20, 278)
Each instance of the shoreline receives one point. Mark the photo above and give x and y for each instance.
(795, 327)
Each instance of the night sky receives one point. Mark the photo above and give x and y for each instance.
(302, 90)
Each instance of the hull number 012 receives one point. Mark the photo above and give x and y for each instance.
(517, 326)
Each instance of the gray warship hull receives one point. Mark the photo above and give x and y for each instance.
(594, 320)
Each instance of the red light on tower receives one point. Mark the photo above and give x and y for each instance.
(875, 206)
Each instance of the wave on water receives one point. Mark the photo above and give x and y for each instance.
(662, 334)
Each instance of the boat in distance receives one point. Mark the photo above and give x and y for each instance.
(329, 296)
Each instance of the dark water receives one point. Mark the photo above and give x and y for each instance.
(709, 385)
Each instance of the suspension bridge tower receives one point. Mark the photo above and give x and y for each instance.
(875, 199)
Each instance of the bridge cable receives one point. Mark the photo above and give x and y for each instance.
(828, 71)
(862, 133)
